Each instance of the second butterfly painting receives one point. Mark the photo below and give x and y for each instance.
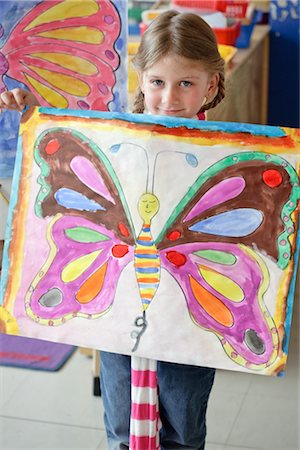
(69, 54)
(167, 238)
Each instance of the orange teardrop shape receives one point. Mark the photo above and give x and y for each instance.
(92, 286)
(211, 304)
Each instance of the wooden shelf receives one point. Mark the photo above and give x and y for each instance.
(246, 83)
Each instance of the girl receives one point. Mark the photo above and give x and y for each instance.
(180, 74)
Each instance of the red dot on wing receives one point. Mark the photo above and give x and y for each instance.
(272, 178)
(119, 250)
(52, 146)
(174, 235)
(123, 229)
(176, 258)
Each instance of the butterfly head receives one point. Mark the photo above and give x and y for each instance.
(148, 207)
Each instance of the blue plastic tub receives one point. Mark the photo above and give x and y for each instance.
(243, 40)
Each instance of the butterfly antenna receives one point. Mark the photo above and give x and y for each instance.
(116, 148)
(142, 323)
(190, 158)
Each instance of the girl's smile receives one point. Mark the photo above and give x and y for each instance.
(177, 86)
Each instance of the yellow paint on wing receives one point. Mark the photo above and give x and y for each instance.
(76, 268)
(52, 97)
(65, 10)
(46, 266)
(84, 34)
(212, 305)
(87, 287)
(66, 83)
(70, 62)
(222, 284)
(261, 291)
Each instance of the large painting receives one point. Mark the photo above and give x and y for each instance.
(69, 53)
(166, 238)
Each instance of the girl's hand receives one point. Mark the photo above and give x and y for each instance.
(17, 99)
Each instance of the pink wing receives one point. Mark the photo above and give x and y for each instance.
(64, 52)
(81, 273)
(90, 236)
(224, 286)
(212, 244)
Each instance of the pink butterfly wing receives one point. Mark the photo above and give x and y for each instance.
(211, 246)
(82, 271)
(65, 53)
(90, 236)
(227, 298)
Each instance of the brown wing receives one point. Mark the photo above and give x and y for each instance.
(77, 179)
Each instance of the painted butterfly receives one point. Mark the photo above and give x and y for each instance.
(209, 244)
(64, 51)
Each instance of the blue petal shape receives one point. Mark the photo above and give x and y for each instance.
(191, 160)
(236, 223)
(115, 148)
(74, 200)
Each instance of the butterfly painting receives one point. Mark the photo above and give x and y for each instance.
(224, 250)
(70, 54)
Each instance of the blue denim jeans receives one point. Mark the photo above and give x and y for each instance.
(183, 397)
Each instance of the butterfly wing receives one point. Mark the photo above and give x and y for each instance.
(210, 247)
(90, 234)
(241, 199)
(224, 285)
(80, 276)
(64, 52)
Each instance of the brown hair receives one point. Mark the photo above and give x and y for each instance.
(184, 34)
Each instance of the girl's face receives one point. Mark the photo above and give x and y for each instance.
(177, 86)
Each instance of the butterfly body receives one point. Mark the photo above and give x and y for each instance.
(147, 266)
(146, 255)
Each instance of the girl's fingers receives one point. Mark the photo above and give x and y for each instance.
(12, 100)
(19, 97)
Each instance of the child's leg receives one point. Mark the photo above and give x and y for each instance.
(115, 378)
(183, 396)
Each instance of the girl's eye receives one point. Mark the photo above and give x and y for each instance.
(185, 83)
(157, 82)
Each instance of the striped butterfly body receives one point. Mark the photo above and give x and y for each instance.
(146, 255)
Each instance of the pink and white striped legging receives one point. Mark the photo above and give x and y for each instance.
(144, 421)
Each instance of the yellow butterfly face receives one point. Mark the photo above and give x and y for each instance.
(148, 207)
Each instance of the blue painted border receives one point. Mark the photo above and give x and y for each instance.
(171, 122)
(12, 204)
